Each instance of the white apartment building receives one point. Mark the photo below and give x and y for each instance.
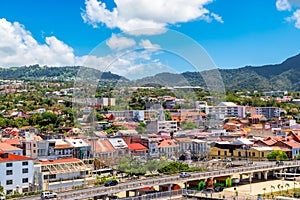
(161, 126)
(226, 109)
(16, 173)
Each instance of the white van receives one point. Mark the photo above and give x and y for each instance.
(48, 195)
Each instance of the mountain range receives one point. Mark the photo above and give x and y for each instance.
(283, 76)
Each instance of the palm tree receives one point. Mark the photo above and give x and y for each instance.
(264, 189)
(272, 188)
(279, 187)
(287, 187)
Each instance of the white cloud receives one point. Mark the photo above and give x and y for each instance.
(283, 5)
(130, 15)
(147, 44)
(18, 47)
(217, 17)
(295, 18)
(119, 43)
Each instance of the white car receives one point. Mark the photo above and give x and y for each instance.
(48, 195)
(184, 174)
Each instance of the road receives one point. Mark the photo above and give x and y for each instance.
(165, 180)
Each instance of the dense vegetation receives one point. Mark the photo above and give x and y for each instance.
(284, 76)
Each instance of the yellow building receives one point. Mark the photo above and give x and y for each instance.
(218, 153)
(252, 154)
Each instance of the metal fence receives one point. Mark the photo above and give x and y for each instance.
(163, 195)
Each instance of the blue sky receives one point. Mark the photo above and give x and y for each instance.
(234, 33)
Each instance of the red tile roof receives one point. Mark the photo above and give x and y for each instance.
(137, 147)
(293, 144)
(14, 141)
(12, 157)
(7, 147)
(168, 143)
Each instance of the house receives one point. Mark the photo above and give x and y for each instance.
(7, 148)
(168, 148)
(81, 149)
(16, 173)
(252, 154)
(63, 149)
(120, 146)
(65, 173)
(138, 150)
(192, 148)
(151, 141)
(102, 148)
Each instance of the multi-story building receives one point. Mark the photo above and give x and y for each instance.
(16, 173)
(62, 174)
(194, 147)
(268, 112)
(161, 126)
(168, 149)
(80, 148)
(226, 109)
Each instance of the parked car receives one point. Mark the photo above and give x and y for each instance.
(111, 183)
(279, 163)
(184, 174)
(208, 191)
(48, 195)
(227, 160)
(219, 188)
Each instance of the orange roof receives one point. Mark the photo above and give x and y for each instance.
(63, 146)
(137, 147)
(14, 141)
(167, 143)
(7, 147)
(293, 144)
(64, 160)
(12, 157)
(256, 116)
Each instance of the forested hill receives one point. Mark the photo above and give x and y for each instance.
(37, 72)
(284, 76)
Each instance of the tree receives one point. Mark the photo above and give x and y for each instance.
(277, 155)
(287, 185)
(141, 128)
(272, 188)
(187, 125)
(264, 189)
(279, 187)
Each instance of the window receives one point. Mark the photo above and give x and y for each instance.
(34, 145)
(9, 182)
(253, 154)
(9, 172)
(25, 170)
(262, 154)
(219, 153)
(9, 164)
(25, 190)
(24, 163)
(25, 180)
(240, 154)
(225, 152)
